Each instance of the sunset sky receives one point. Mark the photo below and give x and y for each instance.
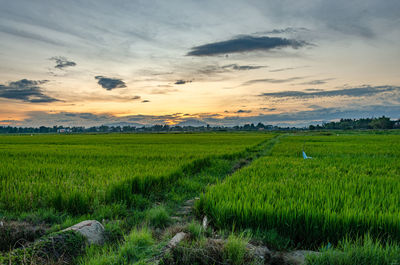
(86, 63)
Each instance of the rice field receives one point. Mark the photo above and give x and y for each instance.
(75, 173)
(349, 188)
(347, 193)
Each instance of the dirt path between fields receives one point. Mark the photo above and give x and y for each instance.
(185, 214)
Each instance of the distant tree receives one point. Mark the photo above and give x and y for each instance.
(382, 123)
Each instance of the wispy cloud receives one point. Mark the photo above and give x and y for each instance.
(163, 91)
(110, 83)
(287, 68)
(242, 67)
(285, 30)
(62, 62)
(349, 92)
(271, 80)
(245, 43)
(282, 69)
(317, 81)
(26, 90)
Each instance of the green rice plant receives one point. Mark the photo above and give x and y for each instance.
(79, 174)
(364, 251)
(349, 188)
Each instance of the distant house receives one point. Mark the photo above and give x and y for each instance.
(64, 130)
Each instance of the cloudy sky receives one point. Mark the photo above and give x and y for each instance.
(93, 62)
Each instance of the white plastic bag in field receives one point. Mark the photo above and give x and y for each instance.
(305, 156)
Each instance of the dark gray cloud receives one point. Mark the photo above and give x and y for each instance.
(313, 89)
(243, 111)
(145, 101)
(268, 109)
(349, 92)
(192, 122)
(136, 97)
(242, 67)
(8, 121)
(90, 116)
(182, 82)
(271, 80)
(110, 83)
(62, 62)
(245, 43)
(26, 90)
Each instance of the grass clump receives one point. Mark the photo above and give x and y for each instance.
(204, 251)
(113, 232)
(138, 244)
(200, 252)
(235, 249)
(158, 217)
(195, 230)
(364, 251)
(99, 255)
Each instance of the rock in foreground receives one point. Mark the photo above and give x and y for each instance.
(92, 230)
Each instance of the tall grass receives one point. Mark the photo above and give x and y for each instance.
(349, 188)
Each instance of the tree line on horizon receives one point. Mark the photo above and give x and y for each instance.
(362, 124)
(344, 124)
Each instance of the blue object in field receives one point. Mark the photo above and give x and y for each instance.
(305, 156)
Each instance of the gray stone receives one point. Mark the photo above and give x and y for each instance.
(260, 252)
(176, 239)
(297, 257)
(92, 230)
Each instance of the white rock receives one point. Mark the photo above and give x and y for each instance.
(205, 223)
(92, 230)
